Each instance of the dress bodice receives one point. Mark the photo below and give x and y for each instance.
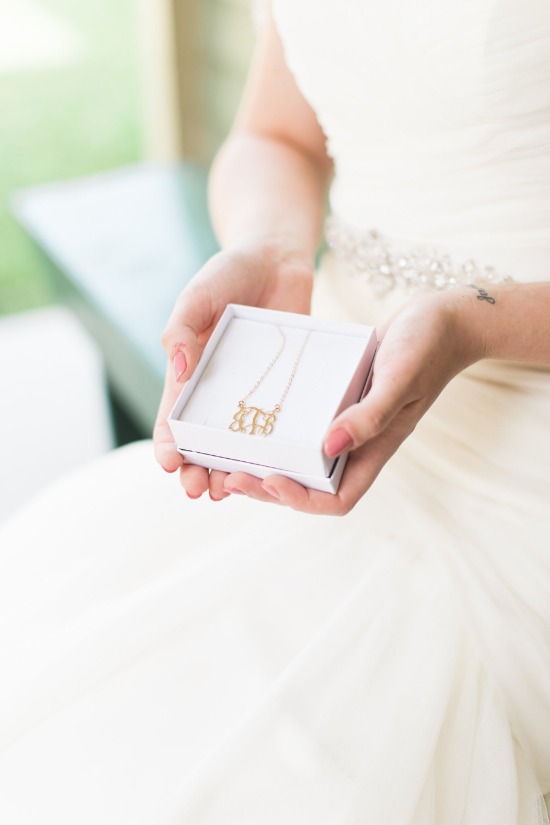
(437, 115)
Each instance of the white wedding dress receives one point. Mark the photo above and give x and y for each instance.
(168, 661)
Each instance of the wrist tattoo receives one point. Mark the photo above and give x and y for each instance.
(482, 294)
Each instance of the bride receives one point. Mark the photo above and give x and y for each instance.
(215, 662)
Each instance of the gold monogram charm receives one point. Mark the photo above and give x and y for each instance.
(253, 420)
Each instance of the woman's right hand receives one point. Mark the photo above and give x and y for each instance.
(254, 276)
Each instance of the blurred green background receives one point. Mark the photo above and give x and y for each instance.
(144, 87)
(69, 106)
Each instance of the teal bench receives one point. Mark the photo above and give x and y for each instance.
(122, 245)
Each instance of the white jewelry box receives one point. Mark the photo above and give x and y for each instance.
(332, 372)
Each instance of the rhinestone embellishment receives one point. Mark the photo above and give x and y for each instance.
(369, 256)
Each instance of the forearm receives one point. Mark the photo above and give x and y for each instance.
(266, 192)
(515, 327)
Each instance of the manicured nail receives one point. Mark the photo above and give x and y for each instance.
(271, 490)
(337, 442)
(233, 491)
(180, 364)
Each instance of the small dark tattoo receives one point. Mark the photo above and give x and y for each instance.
(483, 295)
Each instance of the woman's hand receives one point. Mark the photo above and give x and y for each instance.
(255, 276)
(422, 347)
(267, 193)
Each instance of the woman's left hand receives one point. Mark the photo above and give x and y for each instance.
(422, 347)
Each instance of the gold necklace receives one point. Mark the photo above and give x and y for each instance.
(253, 420)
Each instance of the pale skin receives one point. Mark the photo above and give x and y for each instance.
(268, 189)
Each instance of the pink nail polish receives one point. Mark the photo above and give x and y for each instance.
(337, 442)
(271, 490)
(180, 364)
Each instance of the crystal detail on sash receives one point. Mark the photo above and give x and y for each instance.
(370, 257)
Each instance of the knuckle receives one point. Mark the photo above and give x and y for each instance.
(335, 507)
(378, 419)
(343, 509)
(300, 503)
(344, 504)
(166, 339)
(363, 422)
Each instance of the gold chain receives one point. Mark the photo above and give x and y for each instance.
(293, 373)
(267, 369)
(253, 420)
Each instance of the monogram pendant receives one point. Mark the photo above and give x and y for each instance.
(253, 420)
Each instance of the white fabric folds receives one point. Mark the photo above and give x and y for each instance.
(174, 662)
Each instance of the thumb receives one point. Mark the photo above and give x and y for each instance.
(183, 339)
(368, 418)
(186, 331)
(165, 448)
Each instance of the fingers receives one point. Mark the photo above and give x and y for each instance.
(367, 419)
(291, 494)
(244, 484)
(194, 480)
(165, 449)
(185, 331)
(281, 490)
(183, 339)
(225, 278)
(362, 468)
(216, 480)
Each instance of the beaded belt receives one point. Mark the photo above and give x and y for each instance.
(370, 257)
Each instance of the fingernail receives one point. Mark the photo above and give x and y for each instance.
(271, 490)
(215, 499)
(193, 497)
(180, 364)
(337, 442)
(234, 491)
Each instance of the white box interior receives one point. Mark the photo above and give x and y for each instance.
(330, 375)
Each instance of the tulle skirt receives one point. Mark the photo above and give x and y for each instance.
(168, 661)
